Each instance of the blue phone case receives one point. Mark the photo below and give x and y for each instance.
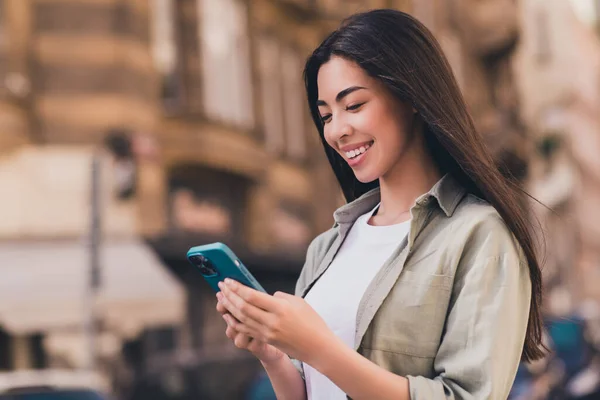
(226, 264)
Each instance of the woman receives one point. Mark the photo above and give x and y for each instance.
(427, 286)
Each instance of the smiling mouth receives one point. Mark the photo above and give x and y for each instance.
(352, 154)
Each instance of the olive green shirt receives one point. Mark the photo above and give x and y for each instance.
(449, 309)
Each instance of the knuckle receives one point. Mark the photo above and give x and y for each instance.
(229, 333)
(269, 337)
(231, 324)
(239, 320)
(252, 346)
(275, 325)
(239, 342)
(270, 334)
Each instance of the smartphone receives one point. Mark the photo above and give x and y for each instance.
(216, 262)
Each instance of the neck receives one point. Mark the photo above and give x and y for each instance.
(413, 176)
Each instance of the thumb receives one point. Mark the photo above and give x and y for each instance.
(283, 295)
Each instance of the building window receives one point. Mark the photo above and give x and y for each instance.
(225, 54)
(165, 53)
(294, 104)
(207, 202)
(283, 99)
(271, 94)
(193, 215)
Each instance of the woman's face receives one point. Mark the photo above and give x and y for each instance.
(362, 120)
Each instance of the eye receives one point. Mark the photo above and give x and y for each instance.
(354, 107)
(325, 118)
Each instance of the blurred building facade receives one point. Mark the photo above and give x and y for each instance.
(70, 72)
(201, 106)
(559, 76)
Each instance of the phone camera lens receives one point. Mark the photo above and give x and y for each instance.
(197, 260)
(204, 265)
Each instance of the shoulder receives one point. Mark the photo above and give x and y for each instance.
(479, 233)
(476, 219)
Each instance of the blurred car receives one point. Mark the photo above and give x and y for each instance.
(52, 385)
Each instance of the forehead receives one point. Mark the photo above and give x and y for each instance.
(338, 74)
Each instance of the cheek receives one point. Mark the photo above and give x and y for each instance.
(396, 126)
(328, 137)
(393, 140)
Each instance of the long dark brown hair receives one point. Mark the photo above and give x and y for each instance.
(399, 51)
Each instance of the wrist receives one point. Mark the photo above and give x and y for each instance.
(324, 350)
(273, 363)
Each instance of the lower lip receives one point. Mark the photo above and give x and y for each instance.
(353, 162)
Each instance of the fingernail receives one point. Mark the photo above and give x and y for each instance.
(228, 281)
(219, 295)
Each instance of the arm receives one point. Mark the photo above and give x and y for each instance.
(486, 323)
(481, 348)
(477, 358)
(291, 325)
(359, 377)
(286, 379)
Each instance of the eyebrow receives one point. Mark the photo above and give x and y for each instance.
(341, 94)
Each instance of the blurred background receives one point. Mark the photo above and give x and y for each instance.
(131, 130)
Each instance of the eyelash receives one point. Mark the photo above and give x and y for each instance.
(353, 107)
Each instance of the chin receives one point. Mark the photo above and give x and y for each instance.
(365, 177)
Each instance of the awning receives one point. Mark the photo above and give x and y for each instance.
(43, 287)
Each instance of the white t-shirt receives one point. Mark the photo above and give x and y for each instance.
(337, 294)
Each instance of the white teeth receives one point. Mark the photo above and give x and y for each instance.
(360, 150)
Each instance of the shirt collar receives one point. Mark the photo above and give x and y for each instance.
(447, 191)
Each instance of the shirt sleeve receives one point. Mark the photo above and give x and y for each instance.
(485, 328)
(303, 281)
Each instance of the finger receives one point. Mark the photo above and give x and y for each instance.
(230, 332)
(254, 345)
(240, 327)
(258, 299)
(245, 312)
(220, 307)
(223, 310)
(283, 295)
(241, 341)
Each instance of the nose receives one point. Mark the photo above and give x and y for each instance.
(339, 130)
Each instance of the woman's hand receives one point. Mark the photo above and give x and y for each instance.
(264, 352)
(282, 320)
